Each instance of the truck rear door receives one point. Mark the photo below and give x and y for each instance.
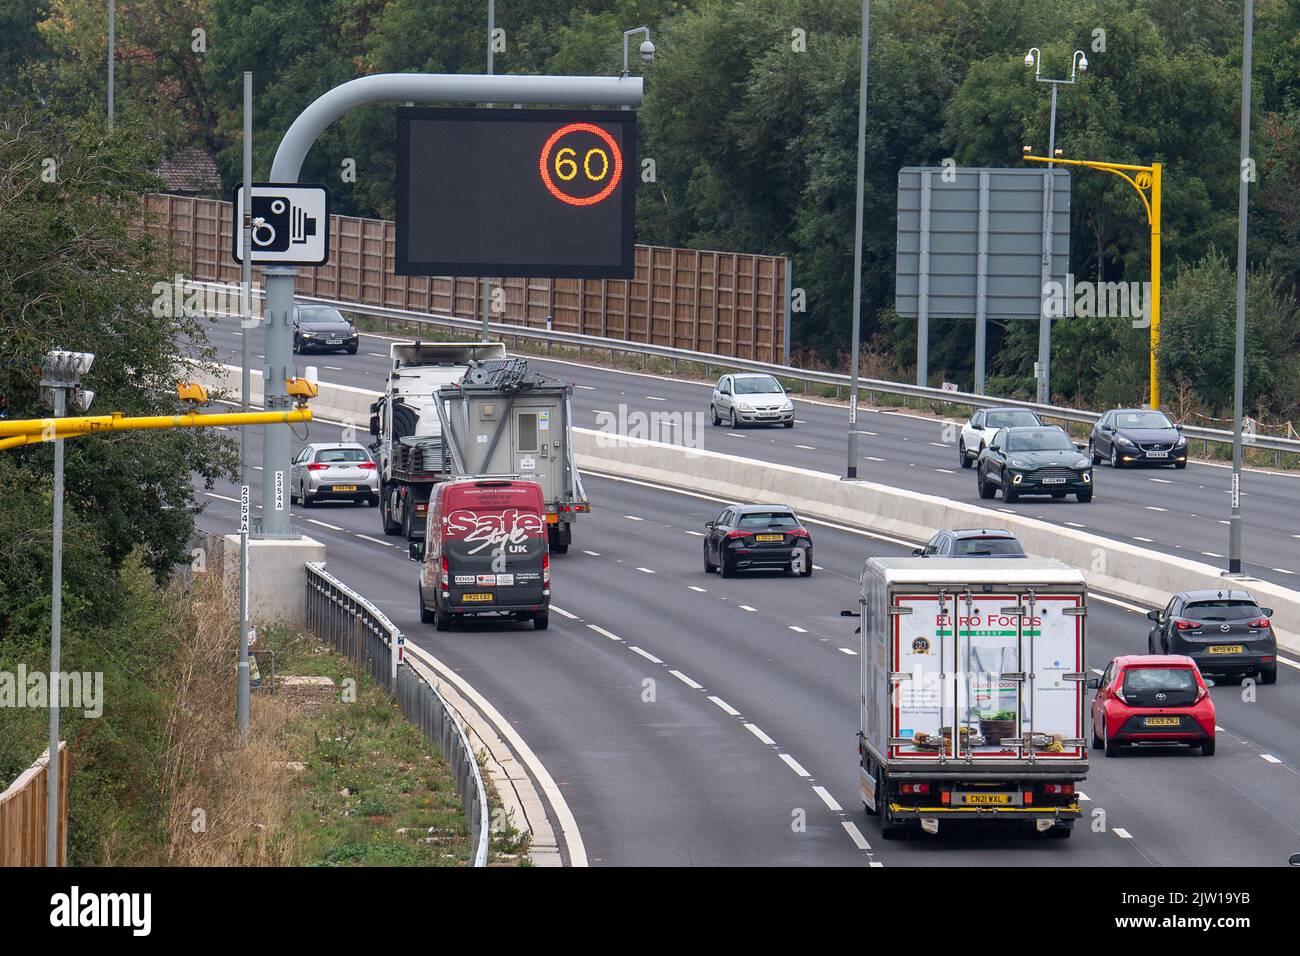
(533, 458)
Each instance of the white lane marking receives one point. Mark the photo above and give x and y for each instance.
(563, 613)
(1121, 833)
(646, 654)
(656, 398)
(753, 729)
(938, 444)
(1219, 729)
(257, 468)
(568, 825)
(813, 448)
(872, 458)
(645, 570)
(1083, 797)
(1283, 571)
(746, 607)
(1006, 511)
(325, 524)
(1221, 521)
(848, 650)
(1075, 524)
(1116, 602)
(586, 388)
(366, 537)
(1270, 758)
(684, 679)
(601, 630)
(856, 836)
(633, 518)
(1138, 537)
(818, 567)
(1163, 481)
(1288, 662)
(946, 471)
(828, 799)
(1211, 554)
(333, 368)
(725, 706)
(863, 431)
(1155, 508)
(797, 629)
(213, 494)
(700, 590)
(378, 355)
(794, 765)
(733, 435)
(594, 554)
(698, 534)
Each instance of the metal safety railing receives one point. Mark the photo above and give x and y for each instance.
(362, 633)
(808, 376)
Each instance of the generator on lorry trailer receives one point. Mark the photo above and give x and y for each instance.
(502, 419)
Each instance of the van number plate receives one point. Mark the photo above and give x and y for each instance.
(476, 597)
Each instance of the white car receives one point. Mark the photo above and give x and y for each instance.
(333, 471)
(984, 424)
(750, 398)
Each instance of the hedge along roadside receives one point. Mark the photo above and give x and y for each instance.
(1114, 567)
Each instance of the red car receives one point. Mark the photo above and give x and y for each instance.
(1152, 698)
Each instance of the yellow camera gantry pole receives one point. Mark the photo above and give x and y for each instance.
(34, 430)
(1146, 181)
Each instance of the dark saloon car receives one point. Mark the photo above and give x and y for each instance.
(1132, 436)
(322, 328)
(1033, 461)
(1225, 632)
(757, 537)
(972, 543)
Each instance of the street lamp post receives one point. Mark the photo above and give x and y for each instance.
(1078, 64)
(61, 374)
(851, 471)
(1239, 359)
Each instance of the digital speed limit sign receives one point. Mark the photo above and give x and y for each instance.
(516, 192)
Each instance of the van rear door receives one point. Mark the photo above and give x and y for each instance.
(494, 539)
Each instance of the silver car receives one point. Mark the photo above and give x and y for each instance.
(334, 471)
(750, 398)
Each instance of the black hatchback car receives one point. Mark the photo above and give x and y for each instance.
(322, 328)
(1131, 436)
(1225, 632)
(757, 537)
(1033, 461)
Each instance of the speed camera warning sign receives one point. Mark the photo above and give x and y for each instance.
(508, 192)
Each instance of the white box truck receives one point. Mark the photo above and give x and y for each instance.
(405, 422)
(973, 692)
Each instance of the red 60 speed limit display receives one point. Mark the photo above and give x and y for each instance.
(509, 192)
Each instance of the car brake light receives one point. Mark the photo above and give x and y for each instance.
(1259, 623)
(1201, 694)
(914, 788)
(367, 465)
(546, 569)
(421, 509)
(799, 532)
(446, 572)
(317, 466)
(1060, 789)
(737, 534)
(1187, 625)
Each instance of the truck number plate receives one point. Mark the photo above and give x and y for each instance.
(985, 799)
(476, 597)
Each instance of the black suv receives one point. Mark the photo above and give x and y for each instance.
(1225, 632)
(1033, 461)
(757, 537)
(1131, 436)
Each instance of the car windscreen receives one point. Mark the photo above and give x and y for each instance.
(1046, 439)
(321, 317)
(1011, 420)
(332, 455)
(1222, 610)
(1144, 685)
(1142, 420)
(767, 519)
(987, 546)
(758, 385)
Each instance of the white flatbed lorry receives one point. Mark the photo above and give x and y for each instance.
(993, 648)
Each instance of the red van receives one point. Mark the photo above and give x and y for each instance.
(485, 553)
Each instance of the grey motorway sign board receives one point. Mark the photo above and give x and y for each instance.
(978, 232)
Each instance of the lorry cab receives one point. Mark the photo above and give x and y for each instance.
(485, 553)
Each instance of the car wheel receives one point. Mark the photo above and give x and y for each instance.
(1009, 494)
(1114, 457)
(1083, 496)
(807, 566)
(541, 620)
(441, 619)
(709, 566)
(789, 424)
(306, 499)
(986, 488)
(725, 568)
(1207, 747)
(713, 415)
(1180, 465)
(1268, 675)
(297, 346)
(1110, 746)
(1092, 453)
(962, 458)
(1096, 741)
(372, 501)
(352, 350)
(735, 422)
(426, 616)
(1151, 644)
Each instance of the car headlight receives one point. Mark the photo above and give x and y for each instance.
(1123, 441)
(1182, 440)
(1018, 464)
(787, 406)
(1082, 463)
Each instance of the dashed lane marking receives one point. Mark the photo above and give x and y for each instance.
(727, 708)
(685, 680)
(794, 765)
